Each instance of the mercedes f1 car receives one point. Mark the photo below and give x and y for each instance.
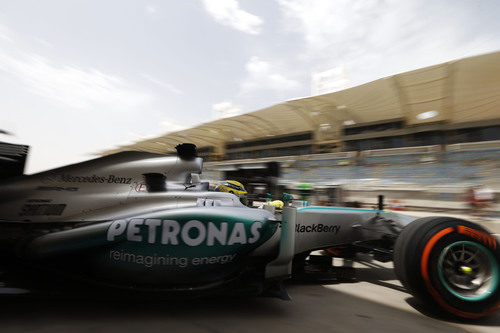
(146, 222)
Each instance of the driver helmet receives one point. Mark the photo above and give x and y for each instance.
(232, 186)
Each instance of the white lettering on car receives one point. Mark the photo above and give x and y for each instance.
(238, 235)
(202, 233)
(191, 233)
(171, 229)
(133, 231)
(152, 224)
(214, 233)
(255, 232)
(116, 228)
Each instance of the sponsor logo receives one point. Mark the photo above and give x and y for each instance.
(57, 188)
(140, 187)
(168, 260)
(94, 179)
(39, 200)
(317, 228)
(42, 209)
(191, 233)
(484, 238)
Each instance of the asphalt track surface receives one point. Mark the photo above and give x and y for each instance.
(373, 302)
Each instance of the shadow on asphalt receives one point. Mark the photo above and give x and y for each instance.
(312, 308)
(377, 274)
(443, 316)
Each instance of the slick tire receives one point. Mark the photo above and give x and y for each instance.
(450, 264)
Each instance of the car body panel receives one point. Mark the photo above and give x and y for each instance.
(122, 233)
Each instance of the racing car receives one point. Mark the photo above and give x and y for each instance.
(146, 223)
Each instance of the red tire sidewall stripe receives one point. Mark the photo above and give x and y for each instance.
(425, 275)
(332, 251)
(482, 237)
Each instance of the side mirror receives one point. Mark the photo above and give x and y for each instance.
(195, 178)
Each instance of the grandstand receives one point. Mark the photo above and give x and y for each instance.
(435, 126)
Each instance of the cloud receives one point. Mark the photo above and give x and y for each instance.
(324, 23)
(329, 81)
(71, 85)
(68, 84)
(164, 85)
(225, 109)
(43, 42)
(5, 33)
(75, 101)
(228, 13)
(150, 10)
(375, 38)
(260, 75)
(168, 126)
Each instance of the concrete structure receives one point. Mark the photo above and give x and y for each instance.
(453, 102)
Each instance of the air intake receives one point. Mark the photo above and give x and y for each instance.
(186, 151)
(155, 182)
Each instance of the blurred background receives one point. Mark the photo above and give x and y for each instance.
(427, 139)
(401, 99)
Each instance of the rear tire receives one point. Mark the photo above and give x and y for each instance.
(450, 263)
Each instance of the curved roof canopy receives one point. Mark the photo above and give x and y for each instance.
(457, 91)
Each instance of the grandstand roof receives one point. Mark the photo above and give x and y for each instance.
(459, 91)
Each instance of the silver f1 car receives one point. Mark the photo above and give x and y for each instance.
(145, 222)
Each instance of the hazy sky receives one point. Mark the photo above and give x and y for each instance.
(77, 77)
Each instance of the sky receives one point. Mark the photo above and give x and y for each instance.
(78, 77)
